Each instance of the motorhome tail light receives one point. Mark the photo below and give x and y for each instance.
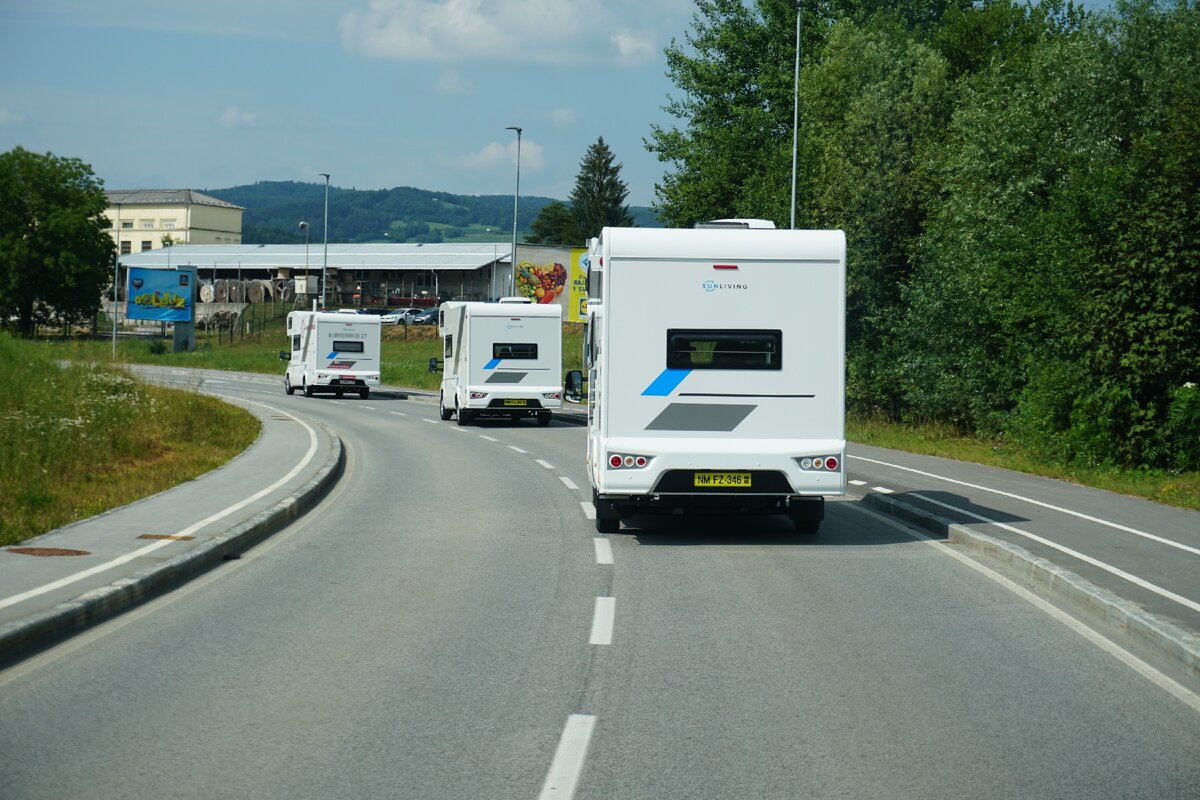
(818, 463)
(725, 266)
(831, 463)
(615, 461)
(640, 461)
(627, 461)
(478, 395)
(552, 395)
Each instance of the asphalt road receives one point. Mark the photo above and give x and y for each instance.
(447, 624)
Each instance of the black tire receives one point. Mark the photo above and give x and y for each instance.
(339, 393)
(607, 520)
(544, 418)
(287, 385)
(443, 412)
(363, 394)
(308, 390)
(462, 416)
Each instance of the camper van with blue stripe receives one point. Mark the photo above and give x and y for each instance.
(715, 359)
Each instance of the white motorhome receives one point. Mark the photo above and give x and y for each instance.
(716, 371)
(500, 360)
(332, 352)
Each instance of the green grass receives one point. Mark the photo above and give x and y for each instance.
(84, 438)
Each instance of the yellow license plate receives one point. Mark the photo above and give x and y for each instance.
(516, 402)
(740, 480)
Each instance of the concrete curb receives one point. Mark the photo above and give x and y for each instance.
(20, 639)
(1161, 643)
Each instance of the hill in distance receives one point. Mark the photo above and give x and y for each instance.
(274, 210)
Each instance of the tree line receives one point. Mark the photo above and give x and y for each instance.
(1018, 186)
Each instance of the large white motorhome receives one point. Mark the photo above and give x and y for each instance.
(500, 360)
(716, 371)
(332, 352)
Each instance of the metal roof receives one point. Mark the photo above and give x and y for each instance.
(164, 197)
(341, 256)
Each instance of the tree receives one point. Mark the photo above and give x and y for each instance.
(55, 252)
(555, 224)
(598, 199)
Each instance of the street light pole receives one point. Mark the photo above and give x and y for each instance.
(116, 277)
(304, 227)
(516, 195)
(325, 265)
(796, 112)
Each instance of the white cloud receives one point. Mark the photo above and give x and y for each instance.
(528, 31)
(234, 117)
(633, 49)
(10, 117)
(563, 116)
(494, 155)
(451, 82)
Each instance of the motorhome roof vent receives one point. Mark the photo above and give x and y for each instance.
(736, 223)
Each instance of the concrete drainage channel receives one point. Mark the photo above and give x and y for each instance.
(1163, 644)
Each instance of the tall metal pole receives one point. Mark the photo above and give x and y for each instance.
(304, 227)
(325, 265)
(796, 113)
(516, 194)
(116, 277)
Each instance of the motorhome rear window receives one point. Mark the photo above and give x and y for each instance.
(724, 349)
(526, 350)
(347, 347)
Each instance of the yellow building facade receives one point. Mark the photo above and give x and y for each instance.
(143, 219)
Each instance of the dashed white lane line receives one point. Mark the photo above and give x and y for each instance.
(570, 484)
(1183, 601)
(489, 438)
(589, 510)
(567, 765)
(519, 450)
(1097, 520)
(602, 620)
(430, 421)
(603, 551)
(545, 464)
(398, 413)
(368, 408)
(858, 483)
(881, 489)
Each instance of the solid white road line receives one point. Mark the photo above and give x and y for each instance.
(568, 758)
(1158, 590)
(545, 464)
(602, 620)
(603, 551)
(1089, 518)
(189, 530)
(569, 483)
(1173, 688)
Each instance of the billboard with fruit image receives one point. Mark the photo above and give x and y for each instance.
(552, 282)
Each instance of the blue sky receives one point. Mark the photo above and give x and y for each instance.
(378, 93)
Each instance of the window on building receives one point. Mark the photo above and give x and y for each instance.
(169, 224)
(126, 226)
(147, 245)
(126, 248)
(146, 224)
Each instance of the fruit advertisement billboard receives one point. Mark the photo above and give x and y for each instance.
(547, 280)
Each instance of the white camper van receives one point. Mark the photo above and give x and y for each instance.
(715, 359)
(501, 360)
(332, 352)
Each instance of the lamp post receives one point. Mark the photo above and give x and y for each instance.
(304, 227)
(325, 265)
(516, 195)
(796, 112)
(116, 277)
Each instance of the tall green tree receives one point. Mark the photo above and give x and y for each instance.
(598, 199)
(55, 253)
(555, 224)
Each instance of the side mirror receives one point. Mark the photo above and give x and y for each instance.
(434, 365)
(284, 355)
(573, 386)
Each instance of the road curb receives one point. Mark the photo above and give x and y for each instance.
(19, 639)
(1160, 642)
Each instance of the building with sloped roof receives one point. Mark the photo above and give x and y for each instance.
(140, 220)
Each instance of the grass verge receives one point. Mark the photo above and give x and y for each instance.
(79, 440)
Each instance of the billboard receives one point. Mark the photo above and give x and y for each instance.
(162, 295)
(555, 282)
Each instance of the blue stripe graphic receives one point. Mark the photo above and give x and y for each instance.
(495, 362)
(332, 355)
(666, 382)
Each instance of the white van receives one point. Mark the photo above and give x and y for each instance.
(716, 368)
(332, 352)
(500, 360)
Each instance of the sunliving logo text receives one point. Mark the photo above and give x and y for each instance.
(713, 286)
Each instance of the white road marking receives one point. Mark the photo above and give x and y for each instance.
(567, 765)
(369, 408)
(603, 551)
(489, 438)
(430, 421)
(569, 483)
(519, 450)
(1089, 518)
(881, 489)
(339, 402)
(589, 510)
(545, 464)
(189, 530)
(859, 483)
(602, 620)
(1074, 553)
(398, 413)
(1177, 690)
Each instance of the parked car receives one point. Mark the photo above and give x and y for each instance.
(376, 312)
(428, 316)
(398, 316)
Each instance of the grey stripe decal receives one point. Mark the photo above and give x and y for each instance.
(506, 377)
(700, 417)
